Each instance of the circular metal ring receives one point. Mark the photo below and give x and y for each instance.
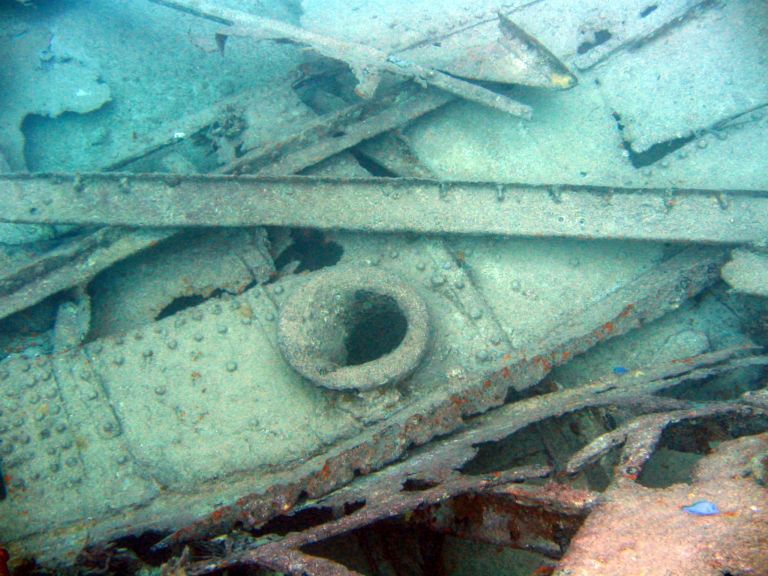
(345, 329)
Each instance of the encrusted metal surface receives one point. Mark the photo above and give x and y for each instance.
(71, 263)
(384, 204)
(200, 408)
(339, 308)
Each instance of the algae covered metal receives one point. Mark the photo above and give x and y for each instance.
(152, 428)
(376, 284)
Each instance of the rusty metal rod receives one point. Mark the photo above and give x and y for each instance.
(366, 62)
(388, 205)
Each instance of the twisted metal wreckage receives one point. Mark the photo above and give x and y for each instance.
(384, 436)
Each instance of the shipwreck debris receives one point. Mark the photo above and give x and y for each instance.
(612, 33)
(616, 317)
(736, 527)
(72, 263)
(308, 143)
(508, 56)
(187, 269)
(490, 508)
(38, 80)
(401, 204)
(366, 62)
(322, 137)
(321, 319)
(284, 555)
(345, 435)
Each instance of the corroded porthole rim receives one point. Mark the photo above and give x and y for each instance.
(309, 319)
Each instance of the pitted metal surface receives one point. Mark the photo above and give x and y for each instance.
(199, 399)
(390, 205)
(155, 427)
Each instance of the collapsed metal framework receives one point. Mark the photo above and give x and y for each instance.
(158, 204)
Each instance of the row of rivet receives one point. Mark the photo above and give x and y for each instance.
(91, 390)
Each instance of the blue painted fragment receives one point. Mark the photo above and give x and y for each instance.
(620, 370)
(702, 508)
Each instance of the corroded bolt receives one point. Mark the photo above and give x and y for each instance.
(437, 280)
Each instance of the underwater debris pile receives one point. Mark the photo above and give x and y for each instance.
(161, 400)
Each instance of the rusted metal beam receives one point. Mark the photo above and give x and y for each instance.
(308, 143)
(367, 63)
(72, 263)
(383, 505)
(388, 205)
(334, 132)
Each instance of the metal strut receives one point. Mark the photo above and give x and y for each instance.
(388, 205)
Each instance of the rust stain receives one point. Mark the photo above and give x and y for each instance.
(246, 311)
(543, 362)
(628, 309)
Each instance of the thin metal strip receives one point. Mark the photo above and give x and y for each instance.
(389, 205)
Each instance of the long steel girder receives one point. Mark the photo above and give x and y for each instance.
(388, 205)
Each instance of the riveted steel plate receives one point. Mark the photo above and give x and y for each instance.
(170, 421)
